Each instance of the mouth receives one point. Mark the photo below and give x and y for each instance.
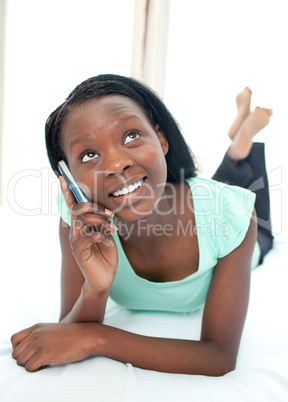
(131, 189)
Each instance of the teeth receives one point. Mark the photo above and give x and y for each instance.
(130, 189)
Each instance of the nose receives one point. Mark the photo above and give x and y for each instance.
(116, 162)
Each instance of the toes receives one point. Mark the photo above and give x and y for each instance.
(243, 99)
(264, 109)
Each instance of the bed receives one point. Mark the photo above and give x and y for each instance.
(30, 293)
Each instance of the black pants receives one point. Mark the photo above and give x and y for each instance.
(251, 174)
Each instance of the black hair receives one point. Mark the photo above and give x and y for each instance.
(180, 162)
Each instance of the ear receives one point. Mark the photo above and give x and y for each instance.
(162, 139)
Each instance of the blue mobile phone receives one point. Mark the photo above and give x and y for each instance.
(65, 172)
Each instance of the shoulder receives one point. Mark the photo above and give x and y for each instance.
(222, 198)
(63, 209)
(225, 207)
(204, 186)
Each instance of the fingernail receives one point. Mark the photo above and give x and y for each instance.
(63, 182)
(113, 227)
(108, 212)
(108, 242)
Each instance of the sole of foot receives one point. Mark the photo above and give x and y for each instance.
(243, 100)
(242, 142)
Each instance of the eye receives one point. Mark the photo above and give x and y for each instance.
(131, 137)
(89, 156)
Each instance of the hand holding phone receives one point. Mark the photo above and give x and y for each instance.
(90, 237)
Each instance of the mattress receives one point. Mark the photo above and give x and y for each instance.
(30, 293)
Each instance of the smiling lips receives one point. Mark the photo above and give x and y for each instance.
(129, 189)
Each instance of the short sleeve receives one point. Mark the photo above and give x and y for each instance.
(63, 209)
(235, 210)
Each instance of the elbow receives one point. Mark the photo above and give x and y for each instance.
(221, 368)
(222, 361)
(225, 364)
(225, 368)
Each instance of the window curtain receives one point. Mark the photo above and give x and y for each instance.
(42, 65)
(2, 44)
(150, 42)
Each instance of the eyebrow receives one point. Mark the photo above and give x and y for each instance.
(80, 140)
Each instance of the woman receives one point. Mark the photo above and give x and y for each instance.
(142, 238)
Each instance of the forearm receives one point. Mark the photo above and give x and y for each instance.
(89, 307)
(161, 354)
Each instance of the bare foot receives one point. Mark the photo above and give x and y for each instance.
(243, 109)
(243, 140)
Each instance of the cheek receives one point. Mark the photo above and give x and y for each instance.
(96, 184)
(157, 168)
(158, 164)
(153, 155)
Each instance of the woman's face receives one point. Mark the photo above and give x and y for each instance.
(116, 156)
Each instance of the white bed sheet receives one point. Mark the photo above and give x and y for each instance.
(30, 277)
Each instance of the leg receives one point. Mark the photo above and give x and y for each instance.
(244, 166)
(251, 173)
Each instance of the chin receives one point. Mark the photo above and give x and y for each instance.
(132, 214)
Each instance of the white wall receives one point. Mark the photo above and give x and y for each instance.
(51, 46)
(2, 55)
(215, 49)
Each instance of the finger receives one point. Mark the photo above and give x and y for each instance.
(103, 239)
(70, 199)
(76, 208)
(91, 234)
(83, 245)
(96, 237)
(20, 336)
(89, 222)
(35, 363)
(88, 226)
(19, 349)
(25, 356)
(67, 194)
(91, 208)
(31, 360)
(98, 223)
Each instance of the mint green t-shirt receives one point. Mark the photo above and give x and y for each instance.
(222, 217)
